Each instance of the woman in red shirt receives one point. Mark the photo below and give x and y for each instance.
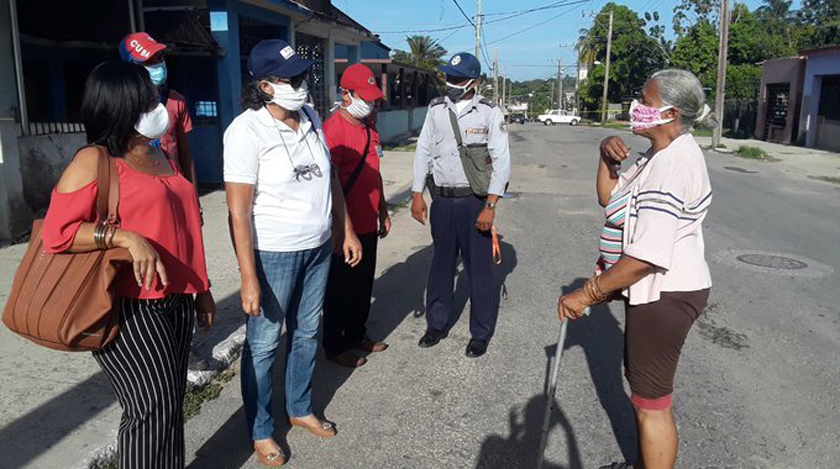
(160, 225)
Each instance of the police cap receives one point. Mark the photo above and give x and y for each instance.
(462, 65)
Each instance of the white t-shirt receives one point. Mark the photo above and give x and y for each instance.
(461, 105)
(670, 198)
(291, 212)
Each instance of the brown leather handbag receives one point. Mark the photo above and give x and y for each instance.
(68, 301)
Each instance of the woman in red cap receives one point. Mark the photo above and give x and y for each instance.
(355, 151)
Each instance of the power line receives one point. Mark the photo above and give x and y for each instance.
(578, 2)
(512, 15)
(463, 13)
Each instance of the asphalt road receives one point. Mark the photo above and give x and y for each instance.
(757, 384)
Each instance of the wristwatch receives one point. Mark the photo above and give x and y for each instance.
(490, 206)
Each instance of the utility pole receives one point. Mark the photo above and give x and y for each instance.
(607, 72)
(496, 74)
(577, 88)
(560, 83)
(721, 72)
(478, 30)
(551, 98)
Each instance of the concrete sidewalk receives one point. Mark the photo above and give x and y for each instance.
(800, 162)
(58, 409)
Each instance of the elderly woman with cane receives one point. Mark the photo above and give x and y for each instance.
(652, 251)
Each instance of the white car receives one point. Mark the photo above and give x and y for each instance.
(556, 116)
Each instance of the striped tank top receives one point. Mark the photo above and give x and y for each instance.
(611, 235)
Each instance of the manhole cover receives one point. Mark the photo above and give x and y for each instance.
(772, 262)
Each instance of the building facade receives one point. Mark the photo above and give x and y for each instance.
(53, 45)
(800, 100)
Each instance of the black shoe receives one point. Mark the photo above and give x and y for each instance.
(476, 348)
(432, 337)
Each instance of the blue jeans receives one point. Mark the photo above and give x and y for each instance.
(292, 286)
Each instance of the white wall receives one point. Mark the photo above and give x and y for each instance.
(400, 123)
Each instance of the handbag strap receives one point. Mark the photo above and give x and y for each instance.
(356, 172)
(108, 187)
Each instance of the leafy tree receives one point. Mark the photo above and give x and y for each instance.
(632, 57)
(424, 52)
(696, 51)
(690, 12)
(820, 24)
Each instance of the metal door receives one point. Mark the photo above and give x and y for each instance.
(311, 47)
(778, 97)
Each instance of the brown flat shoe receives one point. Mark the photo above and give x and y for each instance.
(347, 359)
(273, 459)
(369, 345)
(324, 430)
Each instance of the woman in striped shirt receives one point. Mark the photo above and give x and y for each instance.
(652, 251)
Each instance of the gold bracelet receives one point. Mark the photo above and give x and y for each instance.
(594, 293)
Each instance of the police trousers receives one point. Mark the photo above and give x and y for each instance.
(453, 232)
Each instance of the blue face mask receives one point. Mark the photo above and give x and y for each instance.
(157, 73)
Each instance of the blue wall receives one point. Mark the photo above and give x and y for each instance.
(817, 66)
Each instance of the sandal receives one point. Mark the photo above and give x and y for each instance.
(273, 459)
(369, 345)
(324, 429)
(347, 359)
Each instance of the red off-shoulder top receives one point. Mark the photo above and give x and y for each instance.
(163, 209)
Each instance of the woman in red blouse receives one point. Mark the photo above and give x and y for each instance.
(160, 226)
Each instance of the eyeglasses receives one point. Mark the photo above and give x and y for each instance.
(295, 81)
(307, 171)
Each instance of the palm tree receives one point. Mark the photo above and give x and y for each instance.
(424, 52)
(587, 47)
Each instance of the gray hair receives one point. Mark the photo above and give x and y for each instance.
(683, 91)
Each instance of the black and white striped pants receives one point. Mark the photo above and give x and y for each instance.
(147, 366)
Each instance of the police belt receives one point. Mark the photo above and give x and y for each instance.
(438, 191)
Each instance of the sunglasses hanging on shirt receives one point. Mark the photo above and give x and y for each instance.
(305, 171)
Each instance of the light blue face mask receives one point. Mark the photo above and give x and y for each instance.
(157, 73)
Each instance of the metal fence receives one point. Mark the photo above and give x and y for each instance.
(44, 128)
(739, 117)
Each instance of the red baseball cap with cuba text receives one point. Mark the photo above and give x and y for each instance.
(139, 47)
(360, 79)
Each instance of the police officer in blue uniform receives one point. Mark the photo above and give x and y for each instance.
(461, 220)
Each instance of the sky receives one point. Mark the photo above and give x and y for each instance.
(537, 40)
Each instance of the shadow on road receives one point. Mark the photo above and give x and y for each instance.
(601, 338)
(521, 448)
(398, 293)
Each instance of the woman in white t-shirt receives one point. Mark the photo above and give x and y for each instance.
(285, 206)
(652, 251)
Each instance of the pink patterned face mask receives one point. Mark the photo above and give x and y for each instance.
(645, 117)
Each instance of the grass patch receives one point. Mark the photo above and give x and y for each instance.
(702, 133)
(755, 153)
(831, 179)
(198, 395)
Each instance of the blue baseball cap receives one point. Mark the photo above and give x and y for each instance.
(462, 65)
(275, 57)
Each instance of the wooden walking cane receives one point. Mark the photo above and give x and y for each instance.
(552, 386)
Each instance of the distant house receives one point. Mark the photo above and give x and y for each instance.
(799, 101)
(53, 45)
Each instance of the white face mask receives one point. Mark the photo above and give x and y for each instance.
(153, 124)
(358, 107)
(289, 98)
